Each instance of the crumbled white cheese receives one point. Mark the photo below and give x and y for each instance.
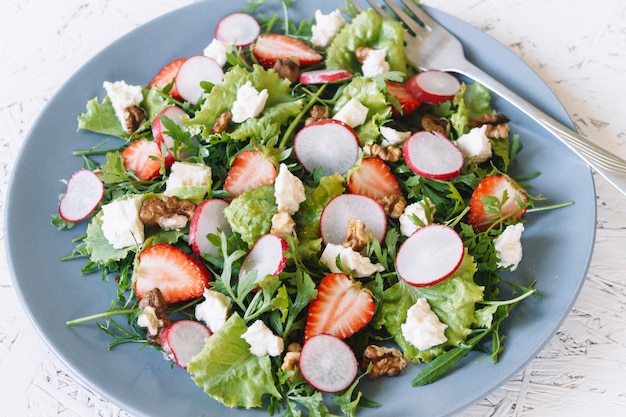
(326, 27)
(509, 246)
(262, 341)
(249, 103)
(214, 310)
(352, 262)
(121, 224)
(123, 96)
(187, 174)
(353, 113)
(288, 190)
(475, 145)
(393, 137)
(148, 318)
(218, 50)
(375, 63)
(282, 224)
(422, 327)
(407, 225)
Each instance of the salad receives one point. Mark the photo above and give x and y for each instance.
(273, 226)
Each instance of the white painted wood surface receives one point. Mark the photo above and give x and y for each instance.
(577, 47)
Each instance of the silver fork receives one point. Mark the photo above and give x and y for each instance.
(433, 47)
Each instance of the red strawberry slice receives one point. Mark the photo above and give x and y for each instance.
(144, 158)
(176, 274)
(407, 102)
(373, 178)
(271, 47)
(250, 169)
(166, 75)
(341, 308)
(495, 186)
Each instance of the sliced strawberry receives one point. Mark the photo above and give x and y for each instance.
(166, 75)
(373, 178)
(407, 102)
(250, 169)
(176, 274)
(495, 186)
(341, 308)
(144, 158)
(271, 47)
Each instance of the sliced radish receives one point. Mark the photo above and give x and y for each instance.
(433, 86)
(432, 155)
(184, 339)
(329, 145)
(192, 72)
(239, 29)
(322, 76)
(429, 255)
(266, 257)
(342, 208)
(328, 363)
(83, 193)
(207, 219)
(158, 130)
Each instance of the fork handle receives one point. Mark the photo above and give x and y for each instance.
(605, 163)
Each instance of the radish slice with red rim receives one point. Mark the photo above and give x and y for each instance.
(329, 145)
(184, 339)
(430, 255)
(83, 193)
(432, 155)
(322, 76)
(193, 72)
(328, 363)
(433, 86)
(342, 208)
(207, 219)
(173, 113)
(266, 257)
(239, 29)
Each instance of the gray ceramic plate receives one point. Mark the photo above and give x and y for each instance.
(557, 244)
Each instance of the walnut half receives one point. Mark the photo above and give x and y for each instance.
(169, 213)
(384, 360)
(357, 237)
(497, 125)
(134, 117)
(154, 315)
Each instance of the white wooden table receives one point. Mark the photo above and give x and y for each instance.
(578, 47)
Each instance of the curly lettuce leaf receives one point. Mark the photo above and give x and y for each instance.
(100, 117)
(307, 218)
(367, 29)
(370, 95)
(453, 301)
(251, 213)
(279, 107)
(228, 372)
(100, 251)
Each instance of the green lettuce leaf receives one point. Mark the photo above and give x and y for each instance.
(367, 29)
(228, 372)
(101, 251)
(251, 213)
(453, 301)
(100, 117)
(369, 94)
(280, 105)
(307, 218)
